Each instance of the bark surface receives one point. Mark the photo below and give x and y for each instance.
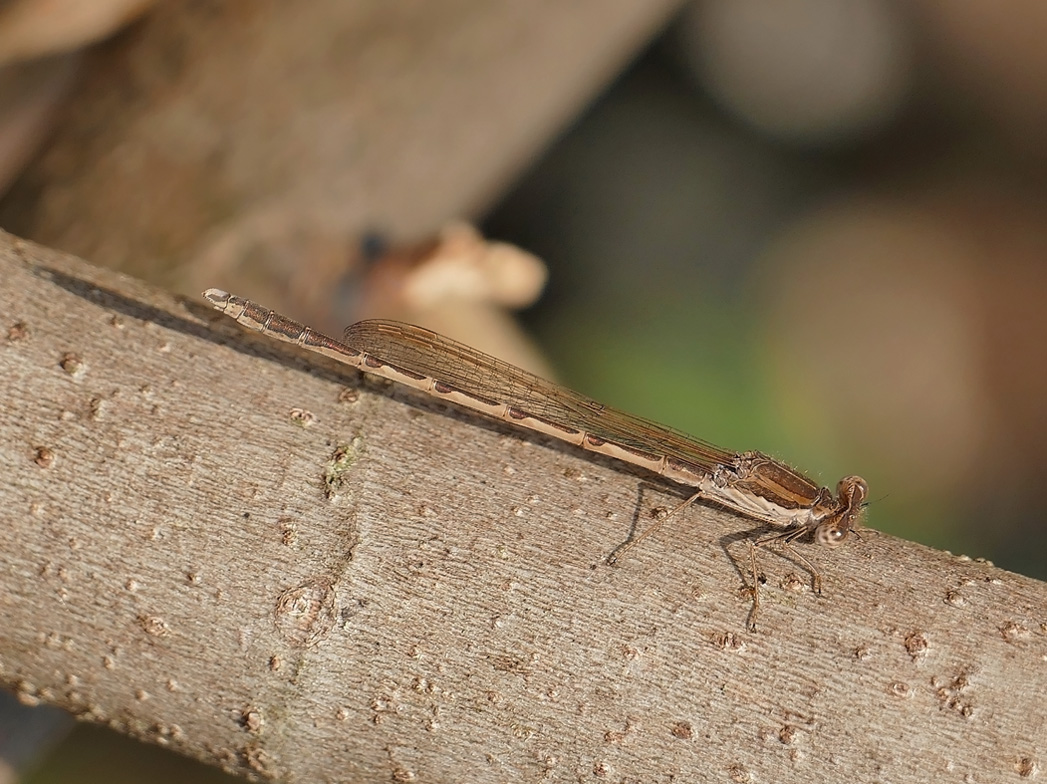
(263, 560)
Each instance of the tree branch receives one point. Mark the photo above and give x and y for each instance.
(256, 557)
(210, 135)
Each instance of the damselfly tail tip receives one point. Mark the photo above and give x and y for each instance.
(217, 297)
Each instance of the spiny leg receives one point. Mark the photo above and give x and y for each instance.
(786, 538)
(755, 590)
(816, 578)
(615, 557)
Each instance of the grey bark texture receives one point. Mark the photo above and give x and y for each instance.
(259, 558)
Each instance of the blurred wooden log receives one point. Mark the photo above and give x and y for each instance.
(246, 142)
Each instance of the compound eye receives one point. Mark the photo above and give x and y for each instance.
(831, 536)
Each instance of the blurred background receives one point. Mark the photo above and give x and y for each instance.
(817, 228)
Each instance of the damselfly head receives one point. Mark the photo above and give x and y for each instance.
(851, 493)
(832, 532)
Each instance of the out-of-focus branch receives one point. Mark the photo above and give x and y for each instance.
(251, 147)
